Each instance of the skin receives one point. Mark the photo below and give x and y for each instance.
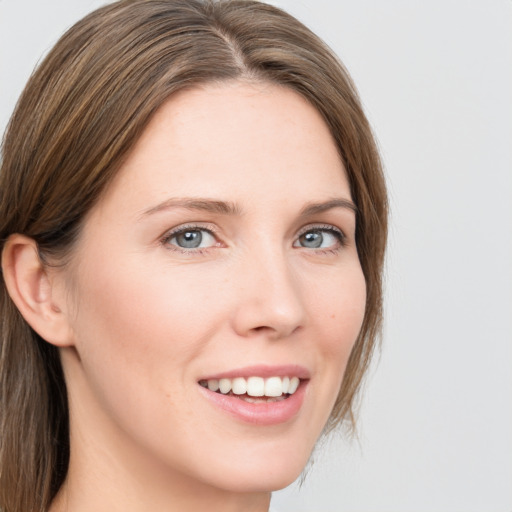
(146, 319)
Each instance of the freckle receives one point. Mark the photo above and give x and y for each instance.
(333, 316)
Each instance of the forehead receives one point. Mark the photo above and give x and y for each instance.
(234, 138)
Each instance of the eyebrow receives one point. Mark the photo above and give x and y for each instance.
(230, 208)
(202, 204)
(316, 208)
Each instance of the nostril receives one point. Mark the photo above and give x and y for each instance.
(274, 332)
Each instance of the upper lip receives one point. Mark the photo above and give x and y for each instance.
(287, 370)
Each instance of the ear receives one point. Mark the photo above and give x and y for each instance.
(31, 288)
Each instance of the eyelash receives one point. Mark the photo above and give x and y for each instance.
(337, 233)
(183, 229)
(329, 228)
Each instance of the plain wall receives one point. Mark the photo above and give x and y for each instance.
(435, 78)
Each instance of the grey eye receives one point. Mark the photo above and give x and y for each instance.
(189, 239)
(193, 239)
(313, 239)
(319, 239)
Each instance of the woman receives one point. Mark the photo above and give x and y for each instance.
(193, 222)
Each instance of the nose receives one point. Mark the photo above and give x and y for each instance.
(269, 299)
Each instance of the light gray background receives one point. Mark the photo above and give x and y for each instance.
(436, 82)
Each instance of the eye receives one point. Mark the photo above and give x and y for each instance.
(191, 238)
(320, 238)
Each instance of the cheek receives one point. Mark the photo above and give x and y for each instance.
(339, 308)
(138, 325)
(137, 335)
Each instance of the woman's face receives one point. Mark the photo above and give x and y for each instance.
(223, 254)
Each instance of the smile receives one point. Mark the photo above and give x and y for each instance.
(262, 395)
(254, 389)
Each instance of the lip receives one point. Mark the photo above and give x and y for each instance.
(289, 370)
(264, 414)
(271, 413)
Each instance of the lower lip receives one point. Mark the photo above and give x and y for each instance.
(263, 413)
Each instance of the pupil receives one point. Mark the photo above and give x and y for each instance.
(312, 239)
(190, 239)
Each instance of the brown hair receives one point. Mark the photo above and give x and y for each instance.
(78, 117)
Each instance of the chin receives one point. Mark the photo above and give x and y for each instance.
(267, 480)
(266, 471)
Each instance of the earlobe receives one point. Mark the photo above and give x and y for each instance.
(31, 288)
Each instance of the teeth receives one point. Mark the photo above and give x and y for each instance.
(255, 386)
(239, 386)
(213, 385)
(273, 387)
(225, 386)
(294, 384)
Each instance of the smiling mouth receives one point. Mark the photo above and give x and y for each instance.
(254, 389)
